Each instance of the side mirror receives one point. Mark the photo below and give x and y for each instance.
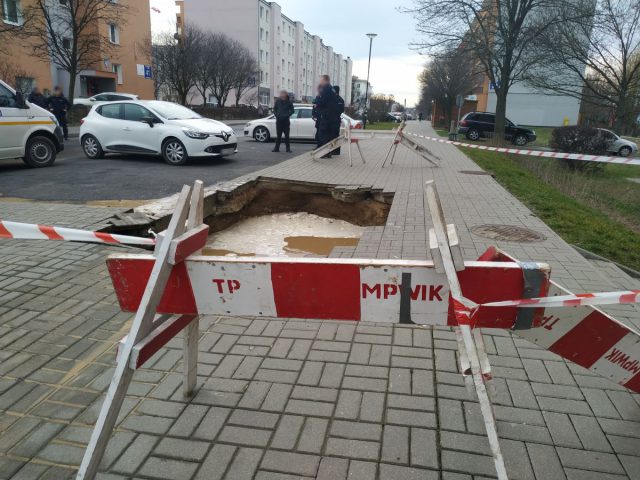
(149, 121)
(92, 99)
(20, 102)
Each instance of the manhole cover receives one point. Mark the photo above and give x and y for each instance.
(508, 233)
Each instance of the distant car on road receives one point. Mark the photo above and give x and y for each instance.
(618, 145)
(303, 127)
(154, 128)
(476, 125)
(105, 97)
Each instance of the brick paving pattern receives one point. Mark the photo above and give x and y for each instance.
(304, 400)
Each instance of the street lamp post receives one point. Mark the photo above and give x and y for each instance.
(366, 94)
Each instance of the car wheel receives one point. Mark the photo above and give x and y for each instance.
(174, 152)
(261, 134)
(91, 147)
(40, 152)
(624, 151)
(473, 134)
(520, 140)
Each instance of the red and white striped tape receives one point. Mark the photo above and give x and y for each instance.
(29, 231)
(604, 298)
(535, 153)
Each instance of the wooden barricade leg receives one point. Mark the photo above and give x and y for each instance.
(142, 323)
(476, 364)
(192, 332)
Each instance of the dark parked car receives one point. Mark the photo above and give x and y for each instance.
(476, 125)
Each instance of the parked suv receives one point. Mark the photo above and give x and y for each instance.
(476, 125)
(27, 131)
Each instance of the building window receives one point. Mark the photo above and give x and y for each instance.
(114, 33)
(11, 11)
(25, 84)
(66, 43)
(261, 12)
(117, 69)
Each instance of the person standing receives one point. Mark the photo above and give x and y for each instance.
(326, 108)
(59, 105)
(283, 109)
(338, 119)
(36, 98)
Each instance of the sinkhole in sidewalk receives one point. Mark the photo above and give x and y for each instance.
(272, 217)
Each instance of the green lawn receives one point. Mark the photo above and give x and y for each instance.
(600, 213)
(382, 125)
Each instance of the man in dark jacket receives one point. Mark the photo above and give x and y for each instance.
(36, 98)
(59, 105)
(338, 119)
(283, 109)
(327, 111)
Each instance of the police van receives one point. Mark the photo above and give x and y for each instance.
(27, 131)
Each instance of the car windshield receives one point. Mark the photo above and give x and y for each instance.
(173, 111)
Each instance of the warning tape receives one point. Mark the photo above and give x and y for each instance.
(604, 298)
(29, 231)
(535, 153)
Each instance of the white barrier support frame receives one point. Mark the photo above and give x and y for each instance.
(466, 333)
(143, 324)
(401, 139)
(338, 142)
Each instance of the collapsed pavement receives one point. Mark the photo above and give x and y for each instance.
(308, 399)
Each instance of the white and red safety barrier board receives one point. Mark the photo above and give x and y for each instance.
(535, 153)
(337, 289)
(584, 334)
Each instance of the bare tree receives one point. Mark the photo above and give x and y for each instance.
(246, 71)
(72, 34)
(225, 77)
(498, 34)
(176, 62)
(600, 53)
(446, 77)
(206, 64)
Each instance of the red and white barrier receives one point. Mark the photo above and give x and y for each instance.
(585, 334)
(29, 231)
(337, 289)
(535, 153)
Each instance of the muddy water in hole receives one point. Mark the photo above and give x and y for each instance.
(284, 234)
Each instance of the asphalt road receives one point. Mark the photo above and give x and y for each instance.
(75, 178)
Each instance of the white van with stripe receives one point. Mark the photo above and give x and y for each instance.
(27, 131)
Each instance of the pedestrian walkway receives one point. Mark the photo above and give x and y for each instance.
(316, 399)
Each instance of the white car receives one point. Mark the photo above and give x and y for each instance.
(154, 128)
(105, 97)
(618, 145)
(303, 127)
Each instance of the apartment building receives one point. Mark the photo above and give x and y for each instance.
(123, 66)
(359, 91)
(289, 57)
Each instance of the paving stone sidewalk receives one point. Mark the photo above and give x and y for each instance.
(305, 400)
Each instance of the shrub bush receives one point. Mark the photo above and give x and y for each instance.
(583, 140)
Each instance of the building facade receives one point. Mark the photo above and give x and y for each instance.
(359, 91)
(125, 66)
(289, 57)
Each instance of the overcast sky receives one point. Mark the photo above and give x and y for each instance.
(343, 25)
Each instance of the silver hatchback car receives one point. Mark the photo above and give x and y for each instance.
(618, 145)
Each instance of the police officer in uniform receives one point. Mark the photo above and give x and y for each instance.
(327, 112)
(59, 105)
